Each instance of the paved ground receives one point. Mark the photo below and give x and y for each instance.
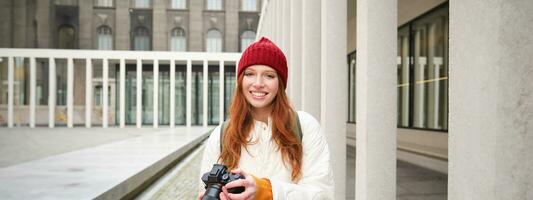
(413, 182)
(107, 171)
(181, 182)
(19, 145)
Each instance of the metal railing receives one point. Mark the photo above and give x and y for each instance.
(104, 56)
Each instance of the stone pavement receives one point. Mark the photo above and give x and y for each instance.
(107, 171)
(413, 182)
(181, 182)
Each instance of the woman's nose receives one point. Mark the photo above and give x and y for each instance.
(259, 82)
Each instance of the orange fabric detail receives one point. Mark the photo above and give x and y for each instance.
(264, 189)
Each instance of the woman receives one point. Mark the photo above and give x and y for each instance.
(260, 140)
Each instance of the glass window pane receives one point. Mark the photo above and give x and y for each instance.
(104, 3)
(197, 95)
(180, 95)
(214, 4)
(247, 38)
(105, 38)
(229, 87)
(178, 4)
(178, 41)
(403, 77)
(214, 95)
(142, 3)
(423, 72)
(66, 38)
(249, 5)
(214, 41)
(141, 39)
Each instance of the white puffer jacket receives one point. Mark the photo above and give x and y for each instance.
(263, 161)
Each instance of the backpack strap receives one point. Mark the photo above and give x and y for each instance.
(298, 129)
(222, 128)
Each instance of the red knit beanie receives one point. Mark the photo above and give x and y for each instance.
(264, 52)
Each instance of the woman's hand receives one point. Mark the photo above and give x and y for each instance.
(250, 188)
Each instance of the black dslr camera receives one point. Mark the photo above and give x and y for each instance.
(216, 178)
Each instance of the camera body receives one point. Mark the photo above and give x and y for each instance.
(216, 178)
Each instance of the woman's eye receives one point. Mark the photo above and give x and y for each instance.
(248, 74)
(271, 76)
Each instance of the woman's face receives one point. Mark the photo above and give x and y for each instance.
(260, 85)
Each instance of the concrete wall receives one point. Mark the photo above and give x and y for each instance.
(491, 100)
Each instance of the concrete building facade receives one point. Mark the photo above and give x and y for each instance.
(129, 25)
(41, 24)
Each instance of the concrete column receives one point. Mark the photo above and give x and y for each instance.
(43, 24)
(122, 23)
(88, 92)
(231, 35)
(491, 100)
(295, 52)
(159, 39)
(196, 34)
(311, 57)
(86, 24)
(376, 99)
(19, 24)
(334, 98)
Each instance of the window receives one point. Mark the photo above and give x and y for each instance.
(178, 40)
(214, 41)
(351, 87)
(249, 5)
(141, 39)
(142, 3)
(247, 37)
(214, 4)
(66, 37)
(178, 4)
(103, 3)
(105, 38)
(423, 72)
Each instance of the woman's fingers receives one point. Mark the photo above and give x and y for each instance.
(237, 183)
(223, 196)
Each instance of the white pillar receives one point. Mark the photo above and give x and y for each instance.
(205, 97)
(491, 100)
(311, 46)
(334, 84)
(10, 91)
(105, 75)
(221, 92)
(139, 93)
(88, 92)
(51, 92)
(376, 99)
(33, 84)
(122, 93)
(189, 92)
(172, 92)
(70, 92)
(156, 94)
(295, 52)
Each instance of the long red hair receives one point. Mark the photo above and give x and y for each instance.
(283, 133)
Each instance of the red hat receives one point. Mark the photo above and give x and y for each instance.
(264, 52)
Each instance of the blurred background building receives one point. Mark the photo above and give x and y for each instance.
(130, 25)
